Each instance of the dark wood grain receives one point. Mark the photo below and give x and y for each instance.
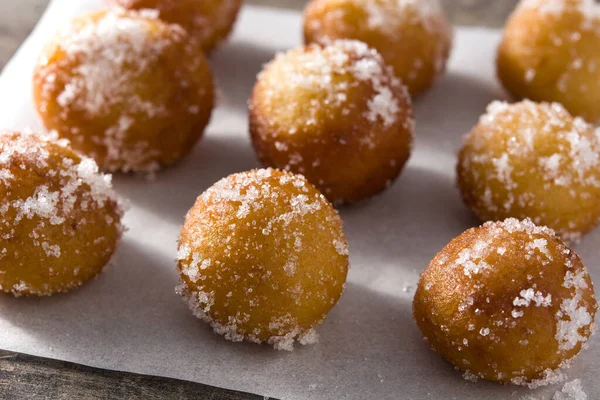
(28, 377)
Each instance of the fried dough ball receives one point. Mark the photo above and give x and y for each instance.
(412, 36)
(536, 161)
(263, 258)
(507, 302)
(209, 21)
(59, 218)
(126, 89)
(550, 53)
(336, 114)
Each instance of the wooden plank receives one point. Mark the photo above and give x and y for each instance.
(28, 377)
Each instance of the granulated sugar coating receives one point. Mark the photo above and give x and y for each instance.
(59, 218)
(508, 302)
(571, 391)
(413, 36)
(208, 21)
(529, 160)
(336, 114)
(550, 53)
(263, 258)
(125, 88)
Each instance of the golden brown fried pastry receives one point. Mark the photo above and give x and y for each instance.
(336, 114)
(529, 160)
(126, 89)
(59, 218)
(263, 258)
(550, 53)
(507, 302)
(413, 36)
(208, 21)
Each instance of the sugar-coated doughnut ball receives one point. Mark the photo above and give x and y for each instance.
(208, 21)
(508, 302)
(413, 36)
(336, 114)
(126, 89)
(550, 53)
(530, 160)
(59, 218)
(263, 258)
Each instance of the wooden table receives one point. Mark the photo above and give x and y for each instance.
(23, 376)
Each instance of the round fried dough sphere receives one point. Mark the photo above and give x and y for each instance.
(208, 21)
(336, 114)
(59, 218)
(508, 302)
(412, 36)
(550, 53)
(126, 89)
(529, 160)
(263, 258)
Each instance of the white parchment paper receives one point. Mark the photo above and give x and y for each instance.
(130, 318)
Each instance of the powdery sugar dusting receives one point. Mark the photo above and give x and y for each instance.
(315, 68)
(574, 163)
(105, 54)
(529, 296)
(392, 18)
(572, 390)
(549, 377)
(573, 318)
(246, 200)
(588, 8)
(577, 28)
(573, 315)
(207, 25)
(386, 15)
(81, 185)
(470, 259)
(44, 203)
